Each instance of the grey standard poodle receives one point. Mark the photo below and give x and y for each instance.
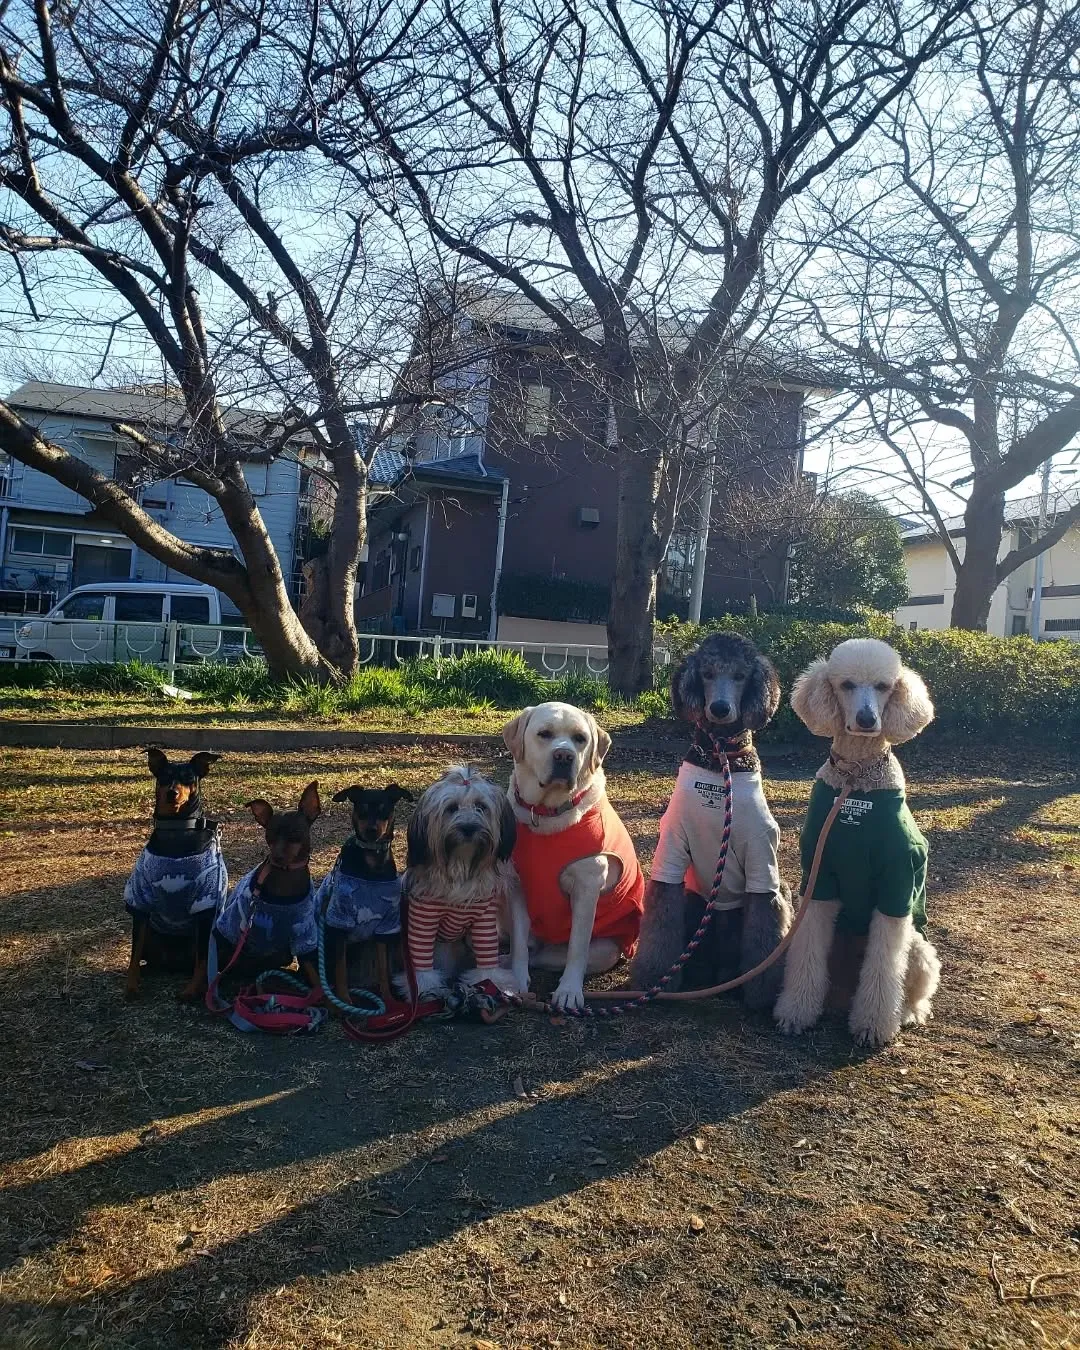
(726, 690)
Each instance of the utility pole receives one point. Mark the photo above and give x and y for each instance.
(1037, 590)
(697, 584)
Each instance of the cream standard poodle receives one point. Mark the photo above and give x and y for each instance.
(872, 880)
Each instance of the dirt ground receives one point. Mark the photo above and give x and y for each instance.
(676, 1178)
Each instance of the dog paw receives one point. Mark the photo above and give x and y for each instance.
(430, 984)
(790, 1019)
(919, 1015)
(191, 993)
(132, 991)
(568, 997)
(874, 1036)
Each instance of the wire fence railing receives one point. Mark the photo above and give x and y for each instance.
(174, 646)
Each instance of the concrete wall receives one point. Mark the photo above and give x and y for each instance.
(930, 572)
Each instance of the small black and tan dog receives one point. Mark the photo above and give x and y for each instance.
(179, 881)
(360, 897)
(726, 690)
(272, 907)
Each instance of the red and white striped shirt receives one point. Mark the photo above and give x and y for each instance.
(430, 919)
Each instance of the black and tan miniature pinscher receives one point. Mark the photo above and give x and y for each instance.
(274, 904)
(361, 896)
(179, 881)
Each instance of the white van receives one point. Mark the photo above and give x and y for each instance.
(122, 621)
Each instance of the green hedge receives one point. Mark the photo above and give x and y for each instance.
(997, 687)
(540, 597)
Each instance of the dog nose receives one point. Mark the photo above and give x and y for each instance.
(720, 709)
(467, 829)
(866, 719)
(562, 756)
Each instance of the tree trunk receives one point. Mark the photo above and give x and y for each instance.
(347, 533)
(976, 580)
(638, 554)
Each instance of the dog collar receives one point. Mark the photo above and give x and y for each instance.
(709, 749)
(379, 846)
(857, 768)
(179, 822)
(549, 811)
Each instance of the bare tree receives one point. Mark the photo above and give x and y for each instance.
(624, 166)
(956, 306)
(175, 154)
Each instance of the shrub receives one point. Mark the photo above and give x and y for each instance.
(246, 681)
(1001, 686)
(378, 687)
(581, 688)
(127, 677)
(504, 679)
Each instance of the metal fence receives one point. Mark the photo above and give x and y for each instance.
(174, 646)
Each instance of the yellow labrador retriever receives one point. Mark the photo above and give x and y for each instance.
(581, 887)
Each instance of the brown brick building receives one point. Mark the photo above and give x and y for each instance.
(517, 482)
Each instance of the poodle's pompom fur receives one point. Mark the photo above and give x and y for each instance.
(909, 708)
(815, 703)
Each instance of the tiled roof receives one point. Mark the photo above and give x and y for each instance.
(146, 406)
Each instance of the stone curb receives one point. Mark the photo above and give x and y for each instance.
(102, 736)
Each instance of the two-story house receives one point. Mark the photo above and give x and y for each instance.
(496, 515)
(51, 539)
(932, 578)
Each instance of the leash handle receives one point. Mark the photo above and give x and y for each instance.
(806, 899)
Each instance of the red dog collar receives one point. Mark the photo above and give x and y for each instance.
(538, 810)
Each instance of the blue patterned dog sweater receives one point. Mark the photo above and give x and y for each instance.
(360, 906)
(277, 926)
(169, 892)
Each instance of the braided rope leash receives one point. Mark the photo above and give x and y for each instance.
(639, 998)
(376, 1007)
(626, 999)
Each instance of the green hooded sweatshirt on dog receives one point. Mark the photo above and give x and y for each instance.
(874, 858)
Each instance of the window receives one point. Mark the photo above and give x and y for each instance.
(1019, 625)
(678, 571)
(89, 605)
(189, 608)
(42, 543)
(415, 563)
(913, 626)
(256, 475)
(380, 570)
(537, 409)
(1062, 626)
(138, 607)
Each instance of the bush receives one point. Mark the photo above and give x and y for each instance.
(245, 681)
(504, 679)
(127, 677)
(996, 686)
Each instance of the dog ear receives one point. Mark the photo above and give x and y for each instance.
(507, 829)
(398, 794)
(601, 744)
(815, 703)
(202, 763)
(513, 734)
(347, 794)
(909, 708)
(761, 696)
(687, 691)
(262, 811)
(158, 762)
(417, 851)
(310, 806)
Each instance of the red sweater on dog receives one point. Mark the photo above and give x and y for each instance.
(540, 859)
